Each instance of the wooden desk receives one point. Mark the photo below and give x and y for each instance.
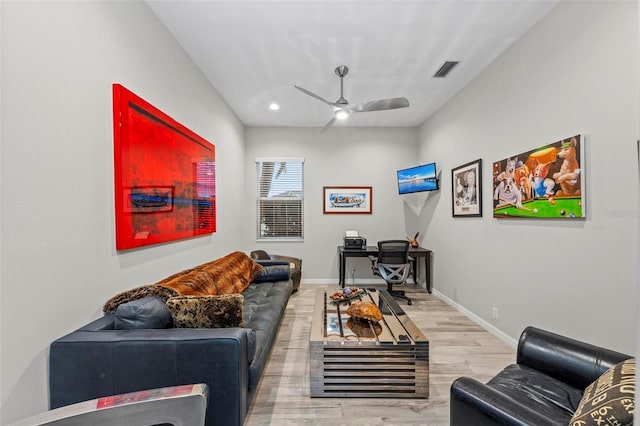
(415, 252)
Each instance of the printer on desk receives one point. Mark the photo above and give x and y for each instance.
(353, 241)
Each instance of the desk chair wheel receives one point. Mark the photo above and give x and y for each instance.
(399, 294)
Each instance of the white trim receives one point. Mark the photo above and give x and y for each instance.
(513, 343)
(325, 281)
(331, 281)
(280, 240)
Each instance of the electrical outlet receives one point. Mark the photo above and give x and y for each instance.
(494, 313)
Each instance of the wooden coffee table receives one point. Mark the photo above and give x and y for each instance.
(355, 359)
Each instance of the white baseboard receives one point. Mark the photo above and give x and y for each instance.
(325, 281)
(319, 281)
(513, 343)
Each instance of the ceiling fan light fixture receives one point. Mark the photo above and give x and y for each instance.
(342, 114)
(342, 109)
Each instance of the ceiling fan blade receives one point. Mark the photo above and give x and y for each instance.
(329, 124)
(313, 95)
(341, 107)
(379, 105)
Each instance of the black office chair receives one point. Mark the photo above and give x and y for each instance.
(393, 264)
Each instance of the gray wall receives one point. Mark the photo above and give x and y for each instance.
(337, 157)
(575, 72)
(59, 262)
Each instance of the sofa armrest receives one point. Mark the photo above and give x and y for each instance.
(474, 403)
(297, 262)
(568, 360)
(90, 364)
(296, 268)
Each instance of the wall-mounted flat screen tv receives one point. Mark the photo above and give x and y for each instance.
(417, 179)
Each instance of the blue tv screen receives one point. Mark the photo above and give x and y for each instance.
(417, 179)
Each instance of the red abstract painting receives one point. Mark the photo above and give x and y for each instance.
(165, 176)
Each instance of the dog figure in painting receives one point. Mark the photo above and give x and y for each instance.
(509, 169)
(522, 179)
(569, 175)
(542, 186)
(507, 192)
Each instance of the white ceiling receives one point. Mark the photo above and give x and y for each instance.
(254, 52)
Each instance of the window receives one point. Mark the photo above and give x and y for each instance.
(280, 199)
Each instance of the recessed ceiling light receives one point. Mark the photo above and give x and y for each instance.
(341, 114)
(274, 106)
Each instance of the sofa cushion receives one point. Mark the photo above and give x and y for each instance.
(145, 313)
(609, 399)
(221, 311)
(264, 305)
(531, 388)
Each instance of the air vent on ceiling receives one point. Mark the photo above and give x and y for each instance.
(445, 68)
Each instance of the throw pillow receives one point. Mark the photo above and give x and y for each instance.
(221, 311)
(148, 312)
(609, 399)
(274, 272)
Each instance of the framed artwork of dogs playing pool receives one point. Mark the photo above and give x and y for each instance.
(547, 182)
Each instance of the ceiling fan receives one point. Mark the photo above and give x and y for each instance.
(342, 108)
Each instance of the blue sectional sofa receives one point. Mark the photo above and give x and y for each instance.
(99, 360)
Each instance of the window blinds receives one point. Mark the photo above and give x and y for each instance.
(280, 198)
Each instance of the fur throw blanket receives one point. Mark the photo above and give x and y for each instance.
(230, 274)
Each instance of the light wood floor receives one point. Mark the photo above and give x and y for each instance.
(457, 347)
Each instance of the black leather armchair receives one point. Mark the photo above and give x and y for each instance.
(543, 388)
(295, 264)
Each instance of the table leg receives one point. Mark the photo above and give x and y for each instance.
(415, 270)
(341, 269)
(427, 271)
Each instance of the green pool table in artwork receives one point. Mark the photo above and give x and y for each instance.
(544, 207)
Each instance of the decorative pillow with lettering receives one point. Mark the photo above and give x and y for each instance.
(222, 311)
(609, 399)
